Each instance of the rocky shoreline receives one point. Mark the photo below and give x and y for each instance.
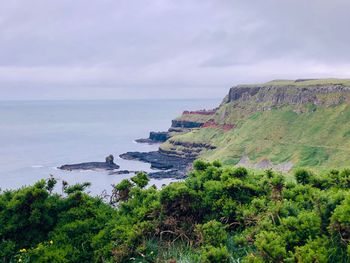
(169, 166)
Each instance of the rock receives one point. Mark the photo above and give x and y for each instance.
(159, 136)
(107, 165)
(122, 172)
(186, 124)
(172, 166)
(176, 174)
(155, 137)
(110, 159)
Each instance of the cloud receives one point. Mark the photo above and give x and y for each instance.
(137, 49)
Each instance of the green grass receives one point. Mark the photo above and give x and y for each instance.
(296, 83)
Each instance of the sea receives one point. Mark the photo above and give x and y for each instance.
(38, 136)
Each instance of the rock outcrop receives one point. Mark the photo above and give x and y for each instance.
(155, 137)
(170, 165)
(186, 124)
(107, 165)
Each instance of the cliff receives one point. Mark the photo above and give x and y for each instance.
(277, 95)
(280, 124)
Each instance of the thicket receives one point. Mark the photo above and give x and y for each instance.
(218, 214)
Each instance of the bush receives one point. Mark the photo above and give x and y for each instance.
(271, 246)
(303, 176)
(200, 165)
(240, 172)
(140, 179)
(212, 233)
(212, 254)
(340, 220)
(317, 250)
(217, 214)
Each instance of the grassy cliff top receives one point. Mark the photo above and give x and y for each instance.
(301, 83)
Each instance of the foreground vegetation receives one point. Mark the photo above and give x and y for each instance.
(218, 214)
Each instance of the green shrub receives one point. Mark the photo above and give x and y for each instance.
(271, 246)
(340, 220)
(200, 165)
(212, 254)
(211, 233)
(240, 172)
(317, 250)
(303, 176)
(140, 179)
(217, 214)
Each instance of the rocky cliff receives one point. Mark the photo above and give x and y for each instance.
(290, 94)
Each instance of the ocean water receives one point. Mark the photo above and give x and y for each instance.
(38, 136)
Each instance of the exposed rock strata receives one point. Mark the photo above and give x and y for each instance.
(289, 94)
(192, 144)
(186, 124)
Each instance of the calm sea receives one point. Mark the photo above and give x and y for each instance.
(38, 136)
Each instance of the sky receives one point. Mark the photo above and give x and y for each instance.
(155, 49)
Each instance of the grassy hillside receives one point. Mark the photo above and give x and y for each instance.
(305, 135)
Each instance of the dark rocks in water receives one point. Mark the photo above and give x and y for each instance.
(107, 165)
(122, 172)
(155, 137)
(172, 166)
(159, 136)
(176, 174)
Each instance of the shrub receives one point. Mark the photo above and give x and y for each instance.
(178, 200)
(140, 179)
(212, 254)
(200, 165)
(122, 190)
(217, 214)
(211, 233)
(271, 246)
(317, 250)
(240, 172)
(303, 176)
(340, 220)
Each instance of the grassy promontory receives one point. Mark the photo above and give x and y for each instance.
(218, 214)
(282, 124)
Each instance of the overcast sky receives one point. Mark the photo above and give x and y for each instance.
(96, 49)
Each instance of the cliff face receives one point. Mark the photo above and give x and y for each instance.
(291, 95)
(279, 124)
(186, 124)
